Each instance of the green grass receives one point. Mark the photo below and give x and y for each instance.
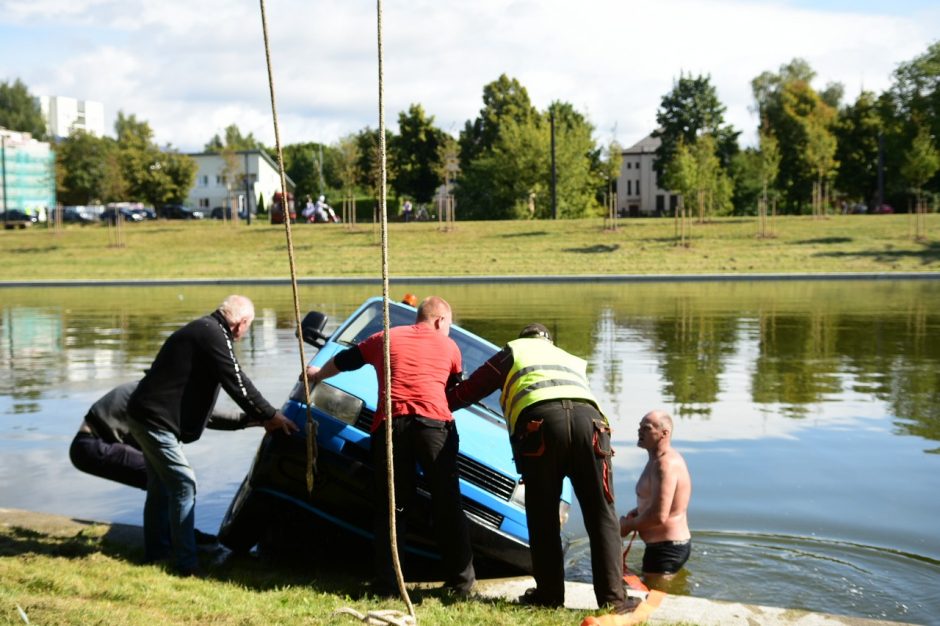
(212, 249)
(82, 578)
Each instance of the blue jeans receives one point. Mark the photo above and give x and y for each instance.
(170, 508)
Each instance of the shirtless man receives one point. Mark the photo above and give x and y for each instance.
(662, 495)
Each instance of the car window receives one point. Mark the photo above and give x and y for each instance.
(473, 351)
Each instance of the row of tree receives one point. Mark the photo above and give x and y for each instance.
(814, 152)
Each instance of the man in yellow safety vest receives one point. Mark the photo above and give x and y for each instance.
(556, 430)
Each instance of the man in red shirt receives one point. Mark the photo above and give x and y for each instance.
(424, 361)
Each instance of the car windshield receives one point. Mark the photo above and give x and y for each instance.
(473, 351)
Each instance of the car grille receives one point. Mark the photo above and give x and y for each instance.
(472, 471)
(482, 514)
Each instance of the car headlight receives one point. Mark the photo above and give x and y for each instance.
(333, 401)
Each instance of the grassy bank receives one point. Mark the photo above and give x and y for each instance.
(80, 577)
(212, 249)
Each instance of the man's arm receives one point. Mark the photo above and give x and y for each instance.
(345, 361)
(230, 419)
(485, 380)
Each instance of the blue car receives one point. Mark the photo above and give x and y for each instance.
(341, 503)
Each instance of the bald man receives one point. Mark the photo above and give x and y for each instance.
(662, 495)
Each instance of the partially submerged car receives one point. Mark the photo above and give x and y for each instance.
(342, 498)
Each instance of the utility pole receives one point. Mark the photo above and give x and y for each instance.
(551, 114)
(881, 172)
(247, 192)
(3, 173)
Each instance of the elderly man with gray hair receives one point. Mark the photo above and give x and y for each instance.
(172, 405)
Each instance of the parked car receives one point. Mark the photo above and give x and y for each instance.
(78, 215)
(179, 212)
(217, 213)
(14, 218)
(129, 215)
(273, 496)
(884, 209)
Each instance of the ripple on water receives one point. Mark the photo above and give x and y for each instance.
(798, 572)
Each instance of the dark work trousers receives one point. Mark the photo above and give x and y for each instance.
(114, 461)
(432, 444)
(561, 438)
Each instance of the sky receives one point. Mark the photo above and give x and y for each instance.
(192, 68)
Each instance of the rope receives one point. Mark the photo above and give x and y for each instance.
(311, 424)
(379, 617)
(386, 357)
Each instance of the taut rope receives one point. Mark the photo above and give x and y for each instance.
(386, 358)
(311, 424)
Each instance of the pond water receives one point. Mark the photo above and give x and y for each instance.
(808, 413)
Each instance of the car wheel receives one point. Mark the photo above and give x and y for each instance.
(245, 519)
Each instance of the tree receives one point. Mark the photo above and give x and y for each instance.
(794, 112)
(689, 110)
(313, 167)
(415, 152)
(610, 172)
(820, 152)
(857, 130)
(505, 101)
(369, 166)
(155, 176)
(921, 164)
(20, 111)
(84, 165)
(234, 141)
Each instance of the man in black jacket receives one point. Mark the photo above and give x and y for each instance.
(104, 446)
(172, 405)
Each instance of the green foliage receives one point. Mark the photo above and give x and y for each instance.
(505, 159)
(369, 165)
(695, 171)
(84, 165)
(234, 140)
(802, 122)
(748, 184)
(691, 109)
(857, 133)
(152, 175)
(415, 152)
(19, 110)
(314, 168)
(503, 99)
(922, 161)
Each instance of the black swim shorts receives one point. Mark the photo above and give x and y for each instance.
(666, 557)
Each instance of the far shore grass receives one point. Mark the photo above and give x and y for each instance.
(212, 249)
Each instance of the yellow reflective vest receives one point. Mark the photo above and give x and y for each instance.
(540, 372)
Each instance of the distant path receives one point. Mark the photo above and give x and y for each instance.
(590, 278)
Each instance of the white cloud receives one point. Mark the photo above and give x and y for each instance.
(190, 68)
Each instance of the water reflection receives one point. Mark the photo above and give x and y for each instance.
(808, 412)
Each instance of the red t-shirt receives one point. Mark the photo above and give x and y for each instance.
(422, 360)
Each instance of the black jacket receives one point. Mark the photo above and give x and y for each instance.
(107, 417)
(179, 391)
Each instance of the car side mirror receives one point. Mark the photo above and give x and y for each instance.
(312, 329)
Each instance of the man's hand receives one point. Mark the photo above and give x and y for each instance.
(279, 422)
(626, 522)
(311, 374)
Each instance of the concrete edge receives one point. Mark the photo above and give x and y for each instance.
(594, 278)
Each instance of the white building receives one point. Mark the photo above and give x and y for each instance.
(637, 190)
(63, 115)
(239, 179)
